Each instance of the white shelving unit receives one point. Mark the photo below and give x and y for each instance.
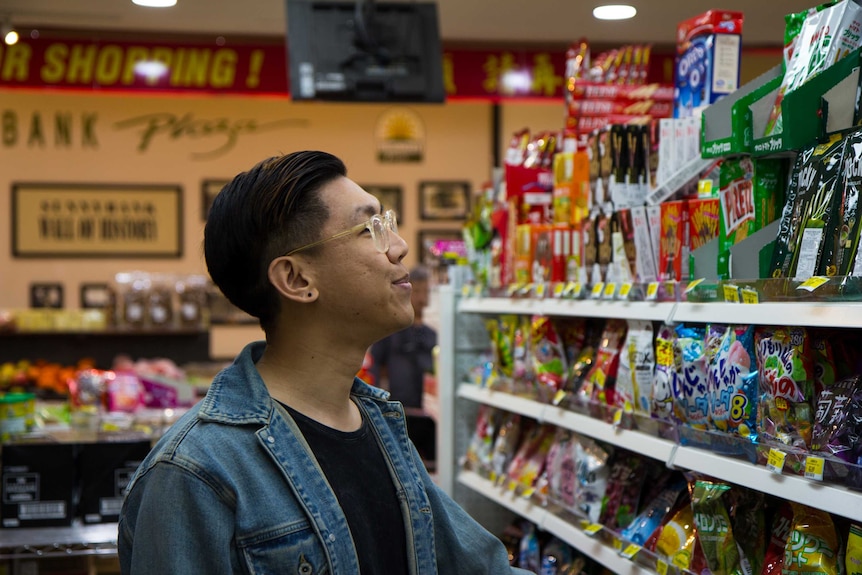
(462, 341)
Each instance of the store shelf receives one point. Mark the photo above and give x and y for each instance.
(657, 448)
(811, 314)
(548, 521)
(832, 498)
(656, 311)
(39, 542)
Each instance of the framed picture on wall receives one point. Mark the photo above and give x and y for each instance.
(444, 200)
(96, 296)
(390, 196)
(431, 243)
(46, 295)
(209, 190)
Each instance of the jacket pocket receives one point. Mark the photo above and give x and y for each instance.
(291, 550)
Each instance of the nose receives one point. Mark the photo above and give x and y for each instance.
(397, 246)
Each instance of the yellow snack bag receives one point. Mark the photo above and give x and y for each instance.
(812, 546)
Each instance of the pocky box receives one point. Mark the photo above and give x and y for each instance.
(848, 258)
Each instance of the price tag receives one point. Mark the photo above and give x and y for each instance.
(775, 461)
(592, 529)
(670, 288)
(814, 467)
(610, 290)
(577, 290)
(559, 289)
(465, 290)
(618, 544)
(652, 291)
(559, 397)
(618, 418)
(597, 290)
(526, 289)
(528, 492)
(625, 290)
(661, 567)
(750, 296)
(693, 284)
(477, 290)
(813, 283)
(540, 289)
(731, 293)
(630, 551)
(513, 288)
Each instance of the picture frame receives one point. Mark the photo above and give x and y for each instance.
(96, 296)
(444, 200)
(96, 220)
(426, 238)
(46, 295)
(209, 190)
(390, 196)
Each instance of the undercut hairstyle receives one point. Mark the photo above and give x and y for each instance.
(261, 214)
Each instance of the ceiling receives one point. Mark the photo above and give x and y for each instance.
(547, 22)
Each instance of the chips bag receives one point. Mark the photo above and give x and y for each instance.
(548, 358)
(689, 345)
(813, 545)
(853, 555)
(782, 522)
(714, 529)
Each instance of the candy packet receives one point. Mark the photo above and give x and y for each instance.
(746, 508)
(689, 345)
(561, 468)
(529, 460)
(677, 543)
(667, 402)
(592, 473)
(785, 413)
(734, 383)
(782, 522)
(478, 456)
(635, 371)
(655, 510)
(598, 386)
(548, 358)
(623, 492)
(505, 445)
(714, 529)
(813, 544)
(529, 553)
(853, 555)
(838, 428)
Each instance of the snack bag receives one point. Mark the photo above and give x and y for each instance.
(714, 528)
(803, 179)
(599, 384)
(561, 467)
(478, 457)
(648, 520)
(548, 358)
(529, 555)
(505, 445)
(734, 383)
(689, 345)
(666, 402)
(782, 522)
(592, 473)
(853, 556)
(838, 425)
(824, 361)
(529, 461)
(784, 360)
(677, 540)
(635, 368)
(522, 375)
(622, 496)
(849, 260)
(820, 233)
(813, 545)
(557, 557)
(746, 508)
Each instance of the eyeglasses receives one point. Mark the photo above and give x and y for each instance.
(379, 226)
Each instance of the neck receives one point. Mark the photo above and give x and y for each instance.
(313, 379)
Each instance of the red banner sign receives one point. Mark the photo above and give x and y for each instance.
(257, 67)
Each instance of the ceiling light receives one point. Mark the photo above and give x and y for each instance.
(155, 3)
(10, 37)
(614, 12)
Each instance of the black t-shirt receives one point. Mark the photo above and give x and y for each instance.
(354, 466)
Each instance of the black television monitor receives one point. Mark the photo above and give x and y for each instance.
(364, 51)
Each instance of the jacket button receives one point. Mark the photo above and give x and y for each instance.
(270, 439)
(332, 537)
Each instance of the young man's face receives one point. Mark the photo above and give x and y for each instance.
(361, 288)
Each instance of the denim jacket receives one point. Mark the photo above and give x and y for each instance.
(232, 487)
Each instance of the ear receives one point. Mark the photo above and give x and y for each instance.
(291, 277)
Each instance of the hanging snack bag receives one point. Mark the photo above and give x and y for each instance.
(689, 345)
(734, 383)
(635, 372)
(748, 521)
(648, 520)
(813, 544)
(529, 555)
(529, 460)
(828, 34)
(548, 357)
(782, 523)
(803, 180)
(622, 496)
(592, 474)
(478, 457)
(849, 260)
(666, 402)
(853, 556)
(714, 529)
(562, 466)
(598, 387)
(784, 360)
(522, 374)
(505, 445)
(838, 427)
(677, 540)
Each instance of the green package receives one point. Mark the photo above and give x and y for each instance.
(714, 529)
(751, 191)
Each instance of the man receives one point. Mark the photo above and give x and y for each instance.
(289, 464)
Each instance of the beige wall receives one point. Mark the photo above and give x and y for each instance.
(457, 147)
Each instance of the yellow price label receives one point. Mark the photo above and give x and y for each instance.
(814, 467)
(592, 529)
(540, 290)
(477, 289)
(610, 290)
(813, 283)
(465, 290)
(630, 551)
(652, 290)
(775, 460)
(618, 544)
(731, 293)
(559, 289)
(661, 566)
(513, 288)
(693, 284)
(670, 288)
(664, 352)
(597, 290)
(529, 492)
(750, 296)
(600, 379)
(618, 417)
(577, 289)
(625, 290)
(559, 397)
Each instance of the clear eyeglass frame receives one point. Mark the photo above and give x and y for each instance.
(378, 225)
